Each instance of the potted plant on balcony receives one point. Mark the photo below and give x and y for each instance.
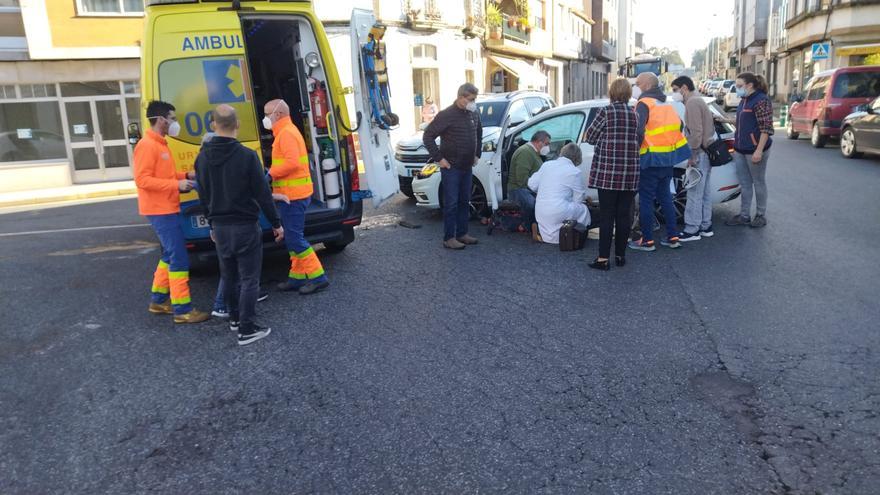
(494, 20)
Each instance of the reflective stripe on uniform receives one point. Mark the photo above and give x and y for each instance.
(305, 253)
(180, 301)
(178, 275)
(292, 182)
(663, 149)
(162, 265)
(161, 290)
(661, 130)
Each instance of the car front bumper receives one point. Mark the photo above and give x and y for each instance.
(427, 191)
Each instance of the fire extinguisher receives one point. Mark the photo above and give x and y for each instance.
(318, 99)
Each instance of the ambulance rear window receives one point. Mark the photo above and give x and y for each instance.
(195, 86)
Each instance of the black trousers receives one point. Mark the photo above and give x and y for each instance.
(615, 209)
(240, 250)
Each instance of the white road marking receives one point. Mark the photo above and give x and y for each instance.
(78, 229)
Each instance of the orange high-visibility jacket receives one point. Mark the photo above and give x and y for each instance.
(156, 176)
(290, 171)
(664, 144)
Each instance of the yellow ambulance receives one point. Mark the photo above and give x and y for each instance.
(198, 54)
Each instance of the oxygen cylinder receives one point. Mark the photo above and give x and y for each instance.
(330, 171)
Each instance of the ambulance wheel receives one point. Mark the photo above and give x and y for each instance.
(335, 247)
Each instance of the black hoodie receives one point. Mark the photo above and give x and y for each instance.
(232, 186)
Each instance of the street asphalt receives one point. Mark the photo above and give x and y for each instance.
(744, 363)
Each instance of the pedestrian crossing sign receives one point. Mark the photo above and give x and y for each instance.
(821, 50)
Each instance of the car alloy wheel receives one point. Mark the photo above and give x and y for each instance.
(816, 137)
(848, 144)
(479, 203)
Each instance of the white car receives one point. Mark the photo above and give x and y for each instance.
(514, 107)
(568, 123)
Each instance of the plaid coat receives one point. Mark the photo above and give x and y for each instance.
(614, 133)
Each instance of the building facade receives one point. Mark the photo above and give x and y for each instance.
(69, 72)
(850, 29)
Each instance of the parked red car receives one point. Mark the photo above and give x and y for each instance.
(829, 97)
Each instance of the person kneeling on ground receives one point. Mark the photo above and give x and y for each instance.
(233, 191)
(562, 190)
(525, 162)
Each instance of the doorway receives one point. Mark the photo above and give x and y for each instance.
(99, 147)
(426, 83)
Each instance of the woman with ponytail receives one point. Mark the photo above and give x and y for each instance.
(754, 126)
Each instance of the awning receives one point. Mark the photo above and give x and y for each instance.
(529, 76)
(857, 49)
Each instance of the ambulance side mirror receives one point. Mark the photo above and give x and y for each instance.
(134, 133)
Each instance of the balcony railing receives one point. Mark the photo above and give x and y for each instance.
(510, 30)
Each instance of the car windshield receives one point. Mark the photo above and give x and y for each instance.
(491, 112)
(857, 85)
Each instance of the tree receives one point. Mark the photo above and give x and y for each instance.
(671, 56)
(698, 59)
(873, 59)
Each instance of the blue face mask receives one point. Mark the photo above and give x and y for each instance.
(741, 92)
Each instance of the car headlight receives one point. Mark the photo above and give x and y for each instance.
(428, 170)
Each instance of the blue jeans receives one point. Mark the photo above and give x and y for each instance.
(654, 183)
(176, 259)
(456, 201)
(525, 198)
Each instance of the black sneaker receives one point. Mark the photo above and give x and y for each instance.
(263, 296)
(688, 237)
(257, 332)
(707, 232)
(234, 325)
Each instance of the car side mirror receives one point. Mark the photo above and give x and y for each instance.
(489, 147)
(134, 133)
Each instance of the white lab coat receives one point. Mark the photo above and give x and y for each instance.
(561, 188)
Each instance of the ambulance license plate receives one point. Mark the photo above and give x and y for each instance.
(199, 222)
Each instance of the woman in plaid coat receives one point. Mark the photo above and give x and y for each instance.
(615, 171)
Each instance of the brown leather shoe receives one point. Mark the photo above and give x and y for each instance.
(466, 239)
(453, 244)
(194, 316)
(161, 309)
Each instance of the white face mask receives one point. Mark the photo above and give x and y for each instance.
(174, 129)
(677, 97)
(637, 91)
(545, 150)
(471, 106)
(267, 121)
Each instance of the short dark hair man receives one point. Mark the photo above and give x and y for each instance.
(461, 134)
(700, 124)
(526, 160)
(233, 190)
(159, 185)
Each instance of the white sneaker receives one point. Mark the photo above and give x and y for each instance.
(219, 313)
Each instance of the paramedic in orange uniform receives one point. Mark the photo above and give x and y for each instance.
(292, 178)
(159, 185)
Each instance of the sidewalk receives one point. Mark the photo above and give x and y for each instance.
(70, 193)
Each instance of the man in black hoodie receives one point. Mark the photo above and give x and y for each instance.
(233, 190)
